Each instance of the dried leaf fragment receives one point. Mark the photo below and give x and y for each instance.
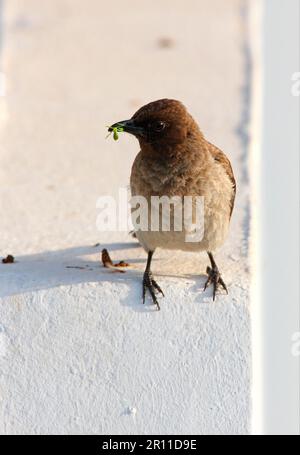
(108, 263)
(8, 260)
(122, 264)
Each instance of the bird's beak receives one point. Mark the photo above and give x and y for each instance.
(129, 127)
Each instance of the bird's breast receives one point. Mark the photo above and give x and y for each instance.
(164, 177)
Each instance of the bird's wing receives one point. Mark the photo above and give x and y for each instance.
(222, 159)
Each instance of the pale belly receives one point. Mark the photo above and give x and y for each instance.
(209, 238)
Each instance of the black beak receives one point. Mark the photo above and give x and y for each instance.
(129, 127)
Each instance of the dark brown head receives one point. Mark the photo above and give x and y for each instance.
(162, 124)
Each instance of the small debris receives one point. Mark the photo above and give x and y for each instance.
(131, 411)
(75, 267)
(8, 260)
(122, 264)
(96, 244)
(165, 42)
(106, 260)
(108, 263)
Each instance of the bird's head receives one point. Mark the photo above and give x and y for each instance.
(161, 124)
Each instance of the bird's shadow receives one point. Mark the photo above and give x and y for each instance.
(68, 266)
(76, 265)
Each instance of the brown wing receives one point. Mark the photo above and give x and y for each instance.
(221, 158)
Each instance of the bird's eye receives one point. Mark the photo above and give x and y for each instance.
(159, 126)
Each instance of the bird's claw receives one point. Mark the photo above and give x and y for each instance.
(150, 284)
(214, 278)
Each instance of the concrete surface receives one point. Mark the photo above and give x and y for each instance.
(78, 351)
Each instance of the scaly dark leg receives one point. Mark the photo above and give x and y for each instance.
(149, 282)
(214, 276)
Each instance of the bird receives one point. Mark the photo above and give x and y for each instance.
(175, 159)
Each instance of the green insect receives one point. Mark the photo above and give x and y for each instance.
(116, 130)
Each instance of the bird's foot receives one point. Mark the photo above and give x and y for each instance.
(150, 284)
(214, 278)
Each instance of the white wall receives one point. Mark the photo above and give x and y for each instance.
(276, 324)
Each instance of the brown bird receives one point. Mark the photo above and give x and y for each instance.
(176, 160)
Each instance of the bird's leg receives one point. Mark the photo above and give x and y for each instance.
(149, 282)
(214, 276)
